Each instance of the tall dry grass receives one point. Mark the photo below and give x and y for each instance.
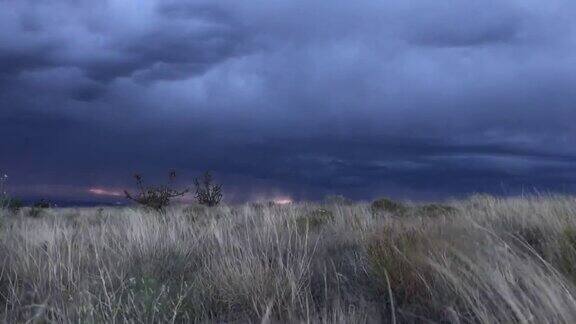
(488, 261)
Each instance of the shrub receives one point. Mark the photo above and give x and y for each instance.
(207, 193)
(314, 219)
(155, 198)
(42, 204)
(435, 210)
(388, 205)
(14, 205)
(38, 208)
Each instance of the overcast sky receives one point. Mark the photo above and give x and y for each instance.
(412, 99)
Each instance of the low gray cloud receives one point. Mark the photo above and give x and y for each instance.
(299, 98)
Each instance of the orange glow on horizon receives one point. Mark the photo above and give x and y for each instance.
(283, 201)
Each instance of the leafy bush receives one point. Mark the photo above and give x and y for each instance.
(156, 198)
(388, 205)
(207, 193)
(314, 219)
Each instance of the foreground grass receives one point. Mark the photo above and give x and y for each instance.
(482, 260)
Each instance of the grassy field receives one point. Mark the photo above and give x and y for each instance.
(480, 260)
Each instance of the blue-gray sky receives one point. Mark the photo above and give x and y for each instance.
(301, 98)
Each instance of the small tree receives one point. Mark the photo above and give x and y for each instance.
(156, 198)
(207, 193)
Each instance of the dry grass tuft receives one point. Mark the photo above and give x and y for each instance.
(480, 260)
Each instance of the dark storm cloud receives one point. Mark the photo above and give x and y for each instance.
(14, 62)
(170, 54)
(300, 98)
(166, 48)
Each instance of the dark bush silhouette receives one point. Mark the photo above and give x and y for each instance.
(14, 205)
(42, 203)
(207, 193)
(156, 198)
(37, 209)
(388, 205)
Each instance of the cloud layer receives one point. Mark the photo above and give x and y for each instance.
(300, 98)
